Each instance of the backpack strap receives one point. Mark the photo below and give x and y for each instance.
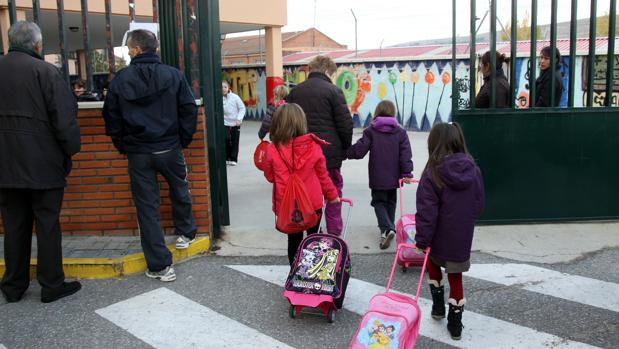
(290, 169)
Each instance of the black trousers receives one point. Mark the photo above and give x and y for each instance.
(233, 135)
(294, 240)
(143, 170)
(384, 203)
(21, 208)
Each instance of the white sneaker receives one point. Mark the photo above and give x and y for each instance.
(227, 162)
(385, 239)
(232, 163)
(183, 242)
(166, 275)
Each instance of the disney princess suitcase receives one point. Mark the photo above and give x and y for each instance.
(392, 320)
(405, 229)
(320, 273)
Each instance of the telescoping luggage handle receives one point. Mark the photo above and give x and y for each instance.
(350, 205)
(401, 182)
(423, 268)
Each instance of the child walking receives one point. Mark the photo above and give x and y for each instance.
(449, 200)
(390, 160)
(293, 147)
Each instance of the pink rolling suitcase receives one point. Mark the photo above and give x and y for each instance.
(392, 320)
(320, 273)
(405, 229)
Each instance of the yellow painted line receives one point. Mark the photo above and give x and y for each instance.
(104, 268)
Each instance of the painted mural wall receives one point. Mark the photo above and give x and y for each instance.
(421, 90)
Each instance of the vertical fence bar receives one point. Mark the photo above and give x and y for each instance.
(610, 60)
(532, 60)
(62, 39)
(553, 50)
(155, 12)
(36, 16)
(573, 45)
(178, 11)
(472, 59)
(111, 60)
(591, 58)
(192, 54)
(493, 67)
(12, 12)
(167, 33)
(132, 10)
(454, 87)
(514, 53)
(86, 40)
(36, 12)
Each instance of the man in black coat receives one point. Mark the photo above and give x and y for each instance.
(328, 117)
(38, 136)
(151, 115)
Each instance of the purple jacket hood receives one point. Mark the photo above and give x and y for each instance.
(457, 171)
(385, 124)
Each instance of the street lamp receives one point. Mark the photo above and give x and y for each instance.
(355, 17)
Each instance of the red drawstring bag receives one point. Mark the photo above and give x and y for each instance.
(296, 213)
(260, 154)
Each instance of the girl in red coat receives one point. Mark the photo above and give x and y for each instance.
(288, 132)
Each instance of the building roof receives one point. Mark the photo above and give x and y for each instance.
(254, 44)
(424, 52)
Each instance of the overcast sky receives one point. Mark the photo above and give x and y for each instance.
(398, 21)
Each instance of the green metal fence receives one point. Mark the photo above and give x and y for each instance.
(545, 164)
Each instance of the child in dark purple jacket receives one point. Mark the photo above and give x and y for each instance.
(390, 160)
(449, 200)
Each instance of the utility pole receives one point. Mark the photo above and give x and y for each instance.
(355, 17)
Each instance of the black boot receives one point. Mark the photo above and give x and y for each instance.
(454, 318)
(438, 300)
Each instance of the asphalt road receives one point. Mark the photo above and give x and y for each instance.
(210, 283)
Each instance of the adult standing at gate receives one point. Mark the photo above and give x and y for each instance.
(328, 117)
(151, 115)
(502, 93)
(38, 136)
(234, 112)
(542, 84)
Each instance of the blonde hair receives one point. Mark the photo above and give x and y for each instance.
(385, 108)
(322, 64)
(279, 93)
(288, 122)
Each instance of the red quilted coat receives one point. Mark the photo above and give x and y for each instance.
(310, 166)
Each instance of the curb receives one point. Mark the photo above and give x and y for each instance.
(105, 268)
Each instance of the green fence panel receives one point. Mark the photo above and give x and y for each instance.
(546, 165)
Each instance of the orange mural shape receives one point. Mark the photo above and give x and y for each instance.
(429, 77)
(446, 78)
(364, 85)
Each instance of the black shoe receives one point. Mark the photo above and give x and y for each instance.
(438, 301)
(11, 298)
(66, 289)
(385, 238)
(454, 319)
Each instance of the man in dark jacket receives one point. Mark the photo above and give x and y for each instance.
(151, 114)
(328, 117)
(38, 136)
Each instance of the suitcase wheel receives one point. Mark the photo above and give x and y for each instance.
(404, 269)
(292, 311)
(331, 316)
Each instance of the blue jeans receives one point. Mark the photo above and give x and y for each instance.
(143, 170)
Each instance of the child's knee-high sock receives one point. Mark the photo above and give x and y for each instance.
(434, 274)
(456, 291)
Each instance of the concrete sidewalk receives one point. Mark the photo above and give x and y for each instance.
(252, 222)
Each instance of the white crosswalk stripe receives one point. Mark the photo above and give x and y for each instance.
(481, 331)
(596, 293)
(155, 317)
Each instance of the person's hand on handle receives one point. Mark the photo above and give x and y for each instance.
(238, 122)
(335, 201)
(408, 180)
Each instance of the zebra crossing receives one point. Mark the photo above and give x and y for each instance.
(149, 316)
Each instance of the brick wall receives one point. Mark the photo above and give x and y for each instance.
(97, 199)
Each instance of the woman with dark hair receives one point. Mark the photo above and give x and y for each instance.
(542, 84)
(502, 85)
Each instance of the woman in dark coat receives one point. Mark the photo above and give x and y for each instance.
(502, 85)
(542, 84)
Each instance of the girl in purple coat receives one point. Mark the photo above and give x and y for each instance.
(390, 160)
(449, 200)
